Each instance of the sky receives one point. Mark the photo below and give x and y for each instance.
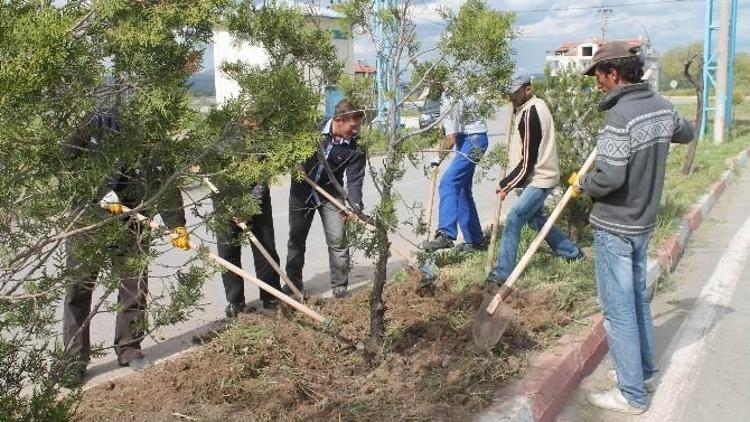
(546, 24)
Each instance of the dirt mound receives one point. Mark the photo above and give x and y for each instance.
(284, 369)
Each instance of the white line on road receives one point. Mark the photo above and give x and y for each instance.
(686, 351)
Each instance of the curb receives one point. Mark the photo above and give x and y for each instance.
(554, 375)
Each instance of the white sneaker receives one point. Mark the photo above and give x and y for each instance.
(614, 401)
(650, 383)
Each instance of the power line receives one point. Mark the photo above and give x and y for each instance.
(642, 3)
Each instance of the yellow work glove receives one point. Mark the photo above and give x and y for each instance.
(115, 208)
(574, 180)
(111, 203)
(182, 241)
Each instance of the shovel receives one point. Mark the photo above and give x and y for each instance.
(325, 322)
(263, 251)
(426, 270)
(491, 322)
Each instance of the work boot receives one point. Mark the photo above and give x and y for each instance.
(471, 247)
(493, 280)
(650, 382)
(341, 292)
(234, 309)
(287, 291)
(614, 401)
(441, 241)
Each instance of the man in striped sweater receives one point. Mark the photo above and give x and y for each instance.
(626, 186)
(532, 154)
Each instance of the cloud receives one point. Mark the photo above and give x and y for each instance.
(667, 24)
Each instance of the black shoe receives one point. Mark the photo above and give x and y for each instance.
(441, 241)
(341, 292)
(287, 291)
(234, 309)
(583, 253)
(492, 279)
(269, 308)
(471, 247)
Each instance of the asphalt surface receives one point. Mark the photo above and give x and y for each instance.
(168, 342)
(702, 328)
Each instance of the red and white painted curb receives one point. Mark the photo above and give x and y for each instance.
(554, 375)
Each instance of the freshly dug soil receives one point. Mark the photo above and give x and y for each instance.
(283, 368)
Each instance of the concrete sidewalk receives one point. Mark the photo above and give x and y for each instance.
(702, 327)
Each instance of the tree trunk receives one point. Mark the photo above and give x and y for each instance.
(687, 167)
(377, 305)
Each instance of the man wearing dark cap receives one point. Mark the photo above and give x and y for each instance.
(340, 150)
(626, 186)
(532, 154)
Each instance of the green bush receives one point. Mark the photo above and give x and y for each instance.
(573, 100)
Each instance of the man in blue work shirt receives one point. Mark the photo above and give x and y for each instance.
(466, 130)
(345, 158)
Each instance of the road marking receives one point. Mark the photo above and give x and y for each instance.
(685, 352)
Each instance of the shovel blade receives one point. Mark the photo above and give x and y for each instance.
(489, 327)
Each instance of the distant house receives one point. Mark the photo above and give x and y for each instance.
(579, 55)
(227, 49)
(362, 69)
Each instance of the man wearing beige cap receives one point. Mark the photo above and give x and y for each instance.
(626, 186)
(534, 167)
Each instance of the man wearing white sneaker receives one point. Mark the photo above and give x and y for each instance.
(626, 186)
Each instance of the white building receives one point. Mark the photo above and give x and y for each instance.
(227, 49)
(579, 54)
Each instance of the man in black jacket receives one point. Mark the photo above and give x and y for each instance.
(341, 152)
(229, 247)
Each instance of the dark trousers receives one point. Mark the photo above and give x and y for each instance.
(230, 248)
(301, 214)
(131, 300)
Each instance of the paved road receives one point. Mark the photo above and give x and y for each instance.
(702, 328)
(170, 340)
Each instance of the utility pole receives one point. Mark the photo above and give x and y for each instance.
(605, 13)
(722, 69)
(383, 63)
(719, 43)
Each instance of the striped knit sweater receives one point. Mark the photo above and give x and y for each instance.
(632, 149)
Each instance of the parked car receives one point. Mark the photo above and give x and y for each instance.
(429, 113)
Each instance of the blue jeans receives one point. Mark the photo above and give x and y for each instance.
(457, 207)
(529, 210)
(621, 282)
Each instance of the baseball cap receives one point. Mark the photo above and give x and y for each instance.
(609, 51)
(520, 78)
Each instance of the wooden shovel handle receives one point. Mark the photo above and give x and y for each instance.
(262, 285)
(516, 274)
(349, 213)
(269, 258)
(431, 199)
(495, 229)
(499, 205)
(245, 275)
